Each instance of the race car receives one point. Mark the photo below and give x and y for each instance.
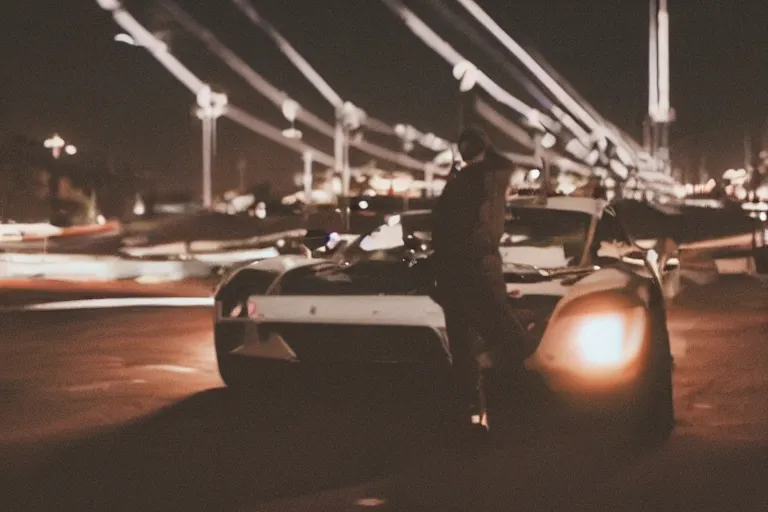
(594, 302)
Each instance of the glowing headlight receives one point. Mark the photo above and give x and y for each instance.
(605, 341)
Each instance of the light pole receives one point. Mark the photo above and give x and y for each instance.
(242, 164)
(660, 113)
(409, 136)
(307, 178)
(211, 106)
(56, 144)
(349, 118)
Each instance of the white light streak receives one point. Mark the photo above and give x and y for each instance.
(173, 368)
(289, 51)
(481, 16)
(239, 66)
(279, 98)
(144, 38)
(653, 64)
(270, 132)
(303, 65)
(557, 90)
(663, 62)
(524, 138)
(447, 52)
(130, 302)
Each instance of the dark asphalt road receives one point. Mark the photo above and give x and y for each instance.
(123, 410)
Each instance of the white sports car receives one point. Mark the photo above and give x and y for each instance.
(594, 302)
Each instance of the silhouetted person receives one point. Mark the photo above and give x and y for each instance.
(468, 223)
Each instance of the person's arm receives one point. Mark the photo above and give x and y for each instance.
(490, 225)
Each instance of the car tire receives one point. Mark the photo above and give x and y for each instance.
(229, 373)
(653, 417)
(261, 388)
(227, 337)
(653, 414)
(256, 383)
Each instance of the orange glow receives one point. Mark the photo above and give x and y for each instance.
(599, 341)
(608, 341)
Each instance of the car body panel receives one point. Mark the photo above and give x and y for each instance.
(309, 294)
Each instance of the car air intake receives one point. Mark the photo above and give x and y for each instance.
(359, 343)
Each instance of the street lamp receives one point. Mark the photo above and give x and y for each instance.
(211, 106)
(56, 144)
(349, 119)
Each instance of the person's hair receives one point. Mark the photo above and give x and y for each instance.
(472, 142)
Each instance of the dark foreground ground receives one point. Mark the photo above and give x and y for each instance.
(123, 410)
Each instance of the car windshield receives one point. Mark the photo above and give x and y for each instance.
(544, 238)
(535, 237)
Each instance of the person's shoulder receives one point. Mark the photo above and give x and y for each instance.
(493, 162)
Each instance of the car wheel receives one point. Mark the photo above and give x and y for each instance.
(227, 337)
(261, 387)
(655, 411)
(652, 416)
(260, 383)
(230, 373)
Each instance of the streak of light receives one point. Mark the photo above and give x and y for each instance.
(279, 98)
(557, 90)
(268, 131)
(122, 302)
(454, 58)
(504, 64)
(169, 368)
(303, 65)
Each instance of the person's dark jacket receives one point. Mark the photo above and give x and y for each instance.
(468, 223)
(468, 219)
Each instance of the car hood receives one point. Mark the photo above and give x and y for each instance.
(371, 277)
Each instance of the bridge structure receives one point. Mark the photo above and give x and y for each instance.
(557, 129)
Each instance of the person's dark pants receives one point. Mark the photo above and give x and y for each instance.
(474, 299)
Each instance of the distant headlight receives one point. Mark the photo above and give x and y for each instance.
(607, 341)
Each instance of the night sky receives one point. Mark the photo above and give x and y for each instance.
(62, 71)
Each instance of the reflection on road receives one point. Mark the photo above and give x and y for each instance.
(123, 410)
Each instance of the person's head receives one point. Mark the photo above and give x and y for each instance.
(473, 144)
